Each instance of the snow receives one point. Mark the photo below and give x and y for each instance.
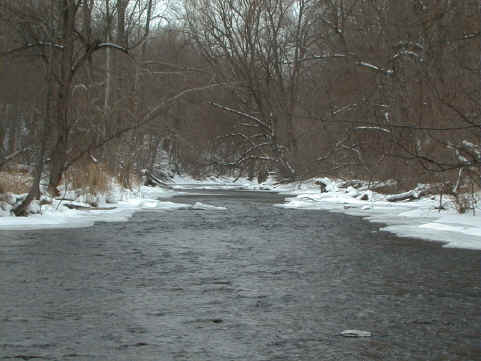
(374, 128)
(117, 206)
(355, 333)
(206, 207)
(368, 65)
(209, 183)
(419, 218)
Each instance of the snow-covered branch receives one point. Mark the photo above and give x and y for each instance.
(473, 148)
(240, 135)
(409, 53)
(368, 65)
(111, 45)
(31, 46)
(242, 114)
(47, 44)
(10, 157)
(467, 150)
(344, 108)
(379, 129)
(375, 68)
(252, 157)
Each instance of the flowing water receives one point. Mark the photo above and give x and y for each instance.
(254, 282)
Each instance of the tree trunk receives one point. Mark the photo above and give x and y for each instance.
(34, 193)
(12, 129)
(3, 134)
(57, 166)
(59, 155)
(108, 75)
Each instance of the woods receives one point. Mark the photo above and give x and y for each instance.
(374, 90)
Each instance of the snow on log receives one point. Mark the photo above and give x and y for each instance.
(323, 185)
(413, 194)
(87, 208)
(153, 181)
(351, 183)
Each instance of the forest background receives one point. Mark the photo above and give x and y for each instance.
(376, 90)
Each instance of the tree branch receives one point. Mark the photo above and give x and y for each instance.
(242, 114)
(10, 157)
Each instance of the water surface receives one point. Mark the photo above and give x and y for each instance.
(254, 282)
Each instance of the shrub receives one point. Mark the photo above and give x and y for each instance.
(89, 180)
(15, 182)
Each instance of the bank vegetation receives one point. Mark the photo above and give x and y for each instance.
(373, 90)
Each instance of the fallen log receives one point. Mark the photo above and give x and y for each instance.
(87, 208)
(153, 181)
(407, 196)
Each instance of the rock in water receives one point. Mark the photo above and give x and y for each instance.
(364, 197)
(356, 333)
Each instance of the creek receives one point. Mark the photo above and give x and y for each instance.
(254, 282)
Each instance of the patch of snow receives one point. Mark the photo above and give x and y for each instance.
(34, 207)
(116, 206)
(374, 128)
(352, 192)
(11, 198)
(356, 333)
(42, 222)
(207, 207)
(73, 209)
(419, 218)
(368, 65)
(210, 183)
(5, 209)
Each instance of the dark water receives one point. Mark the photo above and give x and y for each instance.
(255, 282)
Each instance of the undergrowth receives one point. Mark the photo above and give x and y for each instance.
(88, 180)
(15, 182)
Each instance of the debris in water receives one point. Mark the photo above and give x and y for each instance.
(356, 333)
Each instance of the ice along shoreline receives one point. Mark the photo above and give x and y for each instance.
(415, 219)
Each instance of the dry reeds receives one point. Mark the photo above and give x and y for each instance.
(15, 182)
(88, 177)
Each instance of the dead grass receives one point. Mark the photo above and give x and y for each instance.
(15, 182)
(90, 177)
(127, 179)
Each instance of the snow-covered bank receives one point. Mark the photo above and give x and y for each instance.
(73, 211)
(212, 183)
(420, 218)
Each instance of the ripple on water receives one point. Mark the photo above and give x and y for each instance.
(254, 282)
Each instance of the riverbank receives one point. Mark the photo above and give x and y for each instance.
(426, 218)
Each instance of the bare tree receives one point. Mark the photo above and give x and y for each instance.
(65, 51)
(259, 47)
